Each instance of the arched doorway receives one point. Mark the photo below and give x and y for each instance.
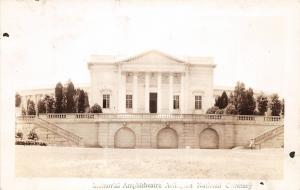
(167, 138)
(124, 138)
(209, 139)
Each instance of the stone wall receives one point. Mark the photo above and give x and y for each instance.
(161, 134)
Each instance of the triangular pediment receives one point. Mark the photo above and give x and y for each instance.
(152, 57)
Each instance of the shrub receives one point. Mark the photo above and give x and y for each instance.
(19, 135)
(220, 111)
(33, 136)
(96, 108)
(230, 110)
(30, 142)
(212, 110)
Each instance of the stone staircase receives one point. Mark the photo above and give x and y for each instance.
(63, 134)
(270, 139)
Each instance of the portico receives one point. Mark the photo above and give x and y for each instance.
(147, 90)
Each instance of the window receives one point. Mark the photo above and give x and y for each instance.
(198, 102)
(106, 100)
(175, 102)
(128, 101)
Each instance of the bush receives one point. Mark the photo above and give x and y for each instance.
(30, 142)
(96, 108)
(212, 110)
(220, 111)
(33, 136)
(19, 135)
(230, 110)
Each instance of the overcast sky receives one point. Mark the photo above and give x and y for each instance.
(50, 41)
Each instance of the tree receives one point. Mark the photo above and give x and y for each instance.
(86, 102)
(41, 106)
(262, 104)
(76, 97)
(17, 100)
(238, 92)
(30, 107)
(49, 104)
(282, 110)
(243, 100)
(64, 100)
(96, 108)
(23, 111)
(222, 101)
(70, 98)
(275, 105)
(251, 103)
(231, 99)
(81, 102)
(58, 97)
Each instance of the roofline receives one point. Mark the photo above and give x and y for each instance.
(124, 60)
(153, 50)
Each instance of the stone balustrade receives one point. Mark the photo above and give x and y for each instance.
(156, 117)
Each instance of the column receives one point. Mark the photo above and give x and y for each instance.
(159, 95)
(171, 92)
(187, 91)
(122, 91)
(135, 92)
(182, 94)
(146, 92)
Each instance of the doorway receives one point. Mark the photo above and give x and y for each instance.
(153, 102)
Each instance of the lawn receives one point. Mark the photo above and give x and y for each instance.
(37, 161)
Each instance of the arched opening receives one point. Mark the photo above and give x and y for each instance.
(124, 138)
(167, 138)
(209, 139)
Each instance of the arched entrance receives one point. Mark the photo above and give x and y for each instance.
(167, 138)
(209, 139)
(124, 138)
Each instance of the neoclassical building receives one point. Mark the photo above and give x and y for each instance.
(151, 100)
(152, 82)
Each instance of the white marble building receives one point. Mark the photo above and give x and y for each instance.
(152, 82)
(128, 89)
(142, 84)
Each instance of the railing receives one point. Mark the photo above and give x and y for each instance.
(150, 116)
(58, 130)
(272, 118)
(245, 117)
(56, 116)
(265, 136)
(85, 116)
(26, 117)
(213, 117)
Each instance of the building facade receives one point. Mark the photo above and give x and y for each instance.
(152, 82)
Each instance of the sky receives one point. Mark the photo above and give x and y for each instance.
(51, 41)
